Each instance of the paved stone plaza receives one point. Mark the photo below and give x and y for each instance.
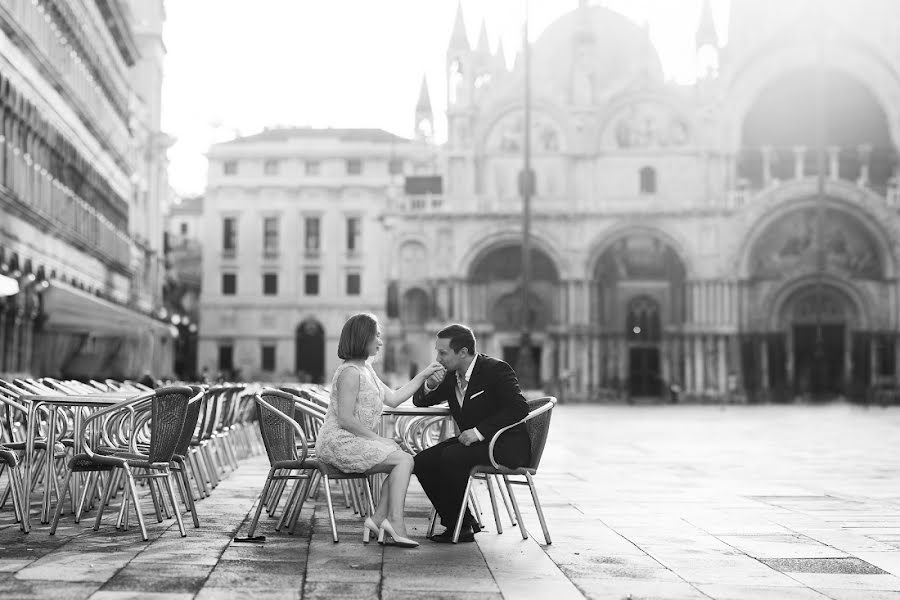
(674, 502)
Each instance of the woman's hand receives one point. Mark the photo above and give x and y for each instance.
(433, 374)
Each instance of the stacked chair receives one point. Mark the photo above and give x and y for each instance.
(188, 437)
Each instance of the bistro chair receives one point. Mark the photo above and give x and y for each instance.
(168, 411)
(537, 423)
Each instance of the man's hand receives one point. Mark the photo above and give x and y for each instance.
(468, 437)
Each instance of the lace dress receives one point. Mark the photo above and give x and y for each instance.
(343, 449)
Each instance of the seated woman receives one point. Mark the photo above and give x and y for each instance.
(347, 439)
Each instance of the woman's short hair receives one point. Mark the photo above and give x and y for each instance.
(460, 337)
(358, 331)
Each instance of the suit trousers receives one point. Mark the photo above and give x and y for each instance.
(443, 471)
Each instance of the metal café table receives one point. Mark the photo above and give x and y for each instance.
(56, 401)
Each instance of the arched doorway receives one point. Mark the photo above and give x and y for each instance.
(818, 320)
(807, 331)
(496, 295)
(637, 308)
(309, 362)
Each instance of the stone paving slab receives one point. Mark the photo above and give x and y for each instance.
(669, 502)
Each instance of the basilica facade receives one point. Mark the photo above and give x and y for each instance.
(733, 236)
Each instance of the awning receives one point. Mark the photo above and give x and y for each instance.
(69, 309)
(8, 286)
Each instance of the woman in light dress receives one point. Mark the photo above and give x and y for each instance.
(347, 439)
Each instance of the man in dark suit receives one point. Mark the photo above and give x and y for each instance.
(484, 396)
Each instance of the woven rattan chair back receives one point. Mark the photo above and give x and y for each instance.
(191, 417)
(538, 428)
(278, 437)
(168, 410)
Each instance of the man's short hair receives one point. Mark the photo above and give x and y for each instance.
(358, 331)
(460, 337)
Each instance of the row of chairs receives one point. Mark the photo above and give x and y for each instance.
(194, 432)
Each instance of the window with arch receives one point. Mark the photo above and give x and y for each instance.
(647, 180)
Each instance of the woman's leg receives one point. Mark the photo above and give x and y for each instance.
(399, 466)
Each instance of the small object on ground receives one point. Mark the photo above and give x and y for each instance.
(255, 538)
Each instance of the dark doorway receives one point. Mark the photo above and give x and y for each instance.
(309, 362)
(511, 357)
(644, 378)
(819, 359)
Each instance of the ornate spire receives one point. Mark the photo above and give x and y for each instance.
(706, 30)
(483, 47)
(423, 106)
(500, 57)
(459, 39)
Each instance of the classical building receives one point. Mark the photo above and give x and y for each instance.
(294, 244)
(740, 232)
(82, 182)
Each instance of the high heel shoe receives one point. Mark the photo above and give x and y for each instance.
(387, 528)
(370, 526)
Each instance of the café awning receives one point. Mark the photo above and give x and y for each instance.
(68, 308)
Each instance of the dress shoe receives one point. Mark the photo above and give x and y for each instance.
(388, 529)
(369, 526)
(465, 535)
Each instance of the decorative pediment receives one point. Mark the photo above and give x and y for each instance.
(508, 133)
(646, 124)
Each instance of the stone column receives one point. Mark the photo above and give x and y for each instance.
(664, 360)
(874, 355)
(699, 372)
(688, 357)
(799, 154)
(766, 152)
(834, 166)
(865, 156)
(723, 372)
(764, 362)
(463, 291)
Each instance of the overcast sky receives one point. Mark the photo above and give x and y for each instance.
(234, 67)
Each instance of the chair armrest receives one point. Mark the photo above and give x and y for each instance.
(528, 417)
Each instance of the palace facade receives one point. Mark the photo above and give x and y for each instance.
(691, 236)
(83, 181)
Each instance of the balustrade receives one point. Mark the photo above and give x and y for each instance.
(865, 165)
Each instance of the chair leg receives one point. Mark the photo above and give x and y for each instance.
(261, 502)
(59, 504)
(509, 510)
(137, 506)
(334, 534)
(19, 490)
(154, 493)
(537, 506)
(433, 524)
(104, 500)
(512, 499)
(188, 496)
(303, 484)
(462, 511)
(368, 490)
(167, 482)
(490, 487)
(290, 506)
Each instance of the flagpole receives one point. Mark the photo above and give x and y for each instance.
(526, 370)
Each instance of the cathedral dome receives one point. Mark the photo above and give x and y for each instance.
(595, 39)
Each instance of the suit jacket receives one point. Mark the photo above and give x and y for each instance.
(493, 400)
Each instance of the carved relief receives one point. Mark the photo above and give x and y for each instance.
(508, 133)
(789, 245)
(647, 125)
